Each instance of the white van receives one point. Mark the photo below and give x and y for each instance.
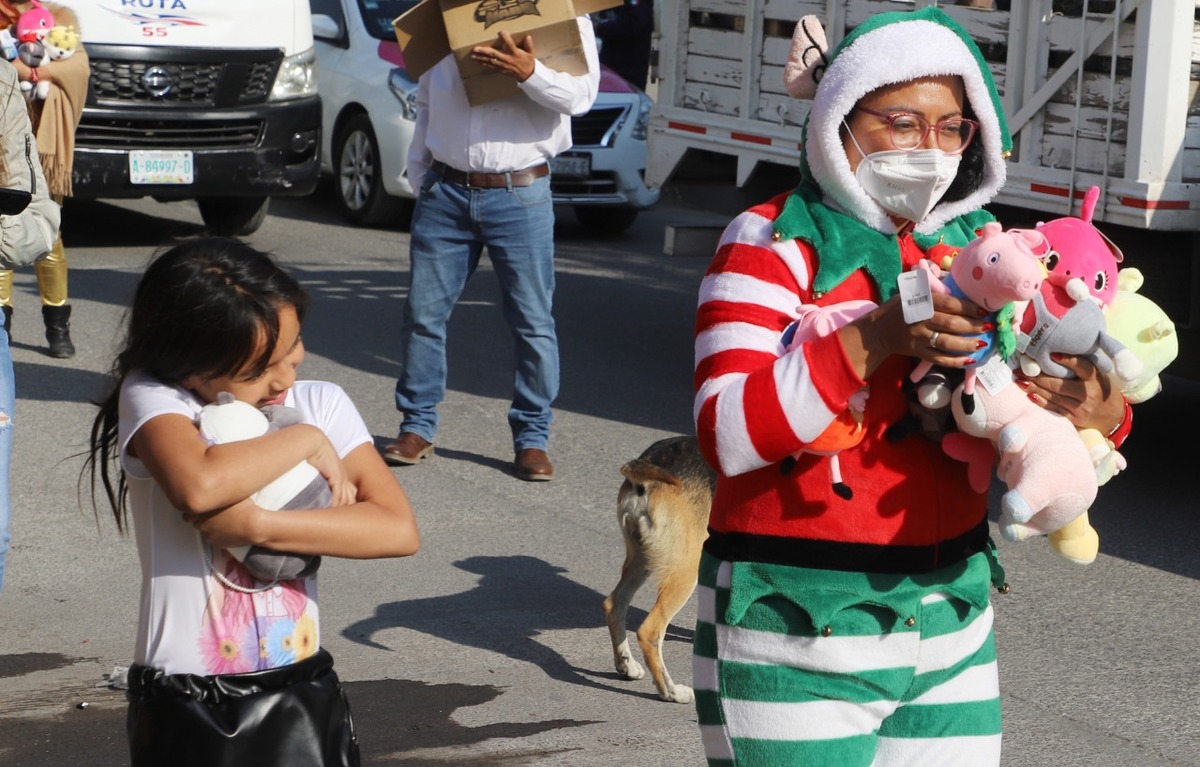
(211, 100)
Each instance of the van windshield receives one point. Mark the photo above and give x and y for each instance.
(378, 16)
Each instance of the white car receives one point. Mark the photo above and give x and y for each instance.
(365, 132)
(601, 175)
(365, 129)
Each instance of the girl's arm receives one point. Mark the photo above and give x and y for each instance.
(379, 523)
(200, 478)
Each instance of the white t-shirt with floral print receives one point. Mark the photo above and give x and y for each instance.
(189, 621)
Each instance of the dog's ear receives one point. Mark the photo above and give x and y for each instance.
(640, 470)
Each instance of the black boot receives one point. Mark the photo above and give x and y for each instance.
(58, 330)
(7, 322)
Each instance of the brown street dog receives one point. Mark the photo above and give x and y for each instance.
(662, 509)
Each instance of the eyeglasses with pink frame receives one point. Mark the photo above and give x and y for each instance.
(909, 131)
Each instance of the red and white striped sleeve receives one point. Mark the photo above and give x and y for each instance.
(755, 403)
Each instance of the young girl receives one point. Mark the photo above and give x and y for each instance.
(228, 670)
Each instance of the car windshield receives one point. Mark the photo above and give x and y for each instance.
(379, 14)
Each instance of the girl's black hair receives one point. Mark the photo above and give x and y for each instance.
(203, 308)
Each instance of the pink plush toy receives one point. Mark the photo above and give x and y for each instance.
(993, 271)
(1042, 460)
(1066, 316)
(32, 27)
(1075, 314)
(848, 428)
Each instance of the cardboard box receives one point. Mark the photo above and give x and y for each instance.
(433, 28)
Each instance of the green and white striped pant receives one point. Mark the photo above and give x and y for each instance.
(796, 667)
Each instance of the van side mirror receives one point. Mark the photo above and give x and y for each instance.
(329, 30)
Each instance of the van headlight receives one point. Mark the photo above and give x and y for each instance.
(297, 77)
(405, 90)
(642, 126)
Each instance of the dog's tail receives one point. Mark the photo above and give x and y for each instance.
(641, 471)
(642, 479)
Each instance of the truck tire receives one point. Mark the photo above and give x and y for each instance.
(233, 216)
(358, 177)
(603, 221)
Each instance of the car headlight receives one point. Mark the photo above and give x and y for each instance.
(297, 77)
(405, 90)
(642, 126)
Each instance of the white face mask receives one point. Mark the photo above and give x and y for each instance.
(906, 184)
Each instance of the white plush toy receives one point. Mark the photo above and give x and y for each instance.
(302, 487)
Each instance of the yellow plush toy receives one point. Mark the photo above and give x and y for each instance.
(1144, 328)
(61, 42)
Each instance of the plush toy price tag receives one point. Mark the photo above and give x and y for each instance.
(994, 375)
(916, 298)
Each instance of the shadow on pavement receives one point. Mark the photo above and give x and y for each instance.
(395, 719)
(499, 617)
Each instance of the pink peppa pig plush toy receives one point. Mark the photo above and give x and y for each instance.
(993, 271)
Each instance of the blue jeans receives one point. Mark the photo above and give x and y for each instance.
(451, 226)
(8, 399)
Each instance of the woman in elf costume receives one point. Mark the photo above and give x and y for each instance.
(855, 631)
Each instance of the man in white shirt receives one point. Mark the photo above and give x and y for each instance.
(484, 180)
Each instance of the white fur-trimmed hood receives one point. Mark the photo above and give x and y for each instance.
(884, 56)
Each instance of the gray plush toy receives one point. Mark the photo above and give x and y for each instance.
(302, 487)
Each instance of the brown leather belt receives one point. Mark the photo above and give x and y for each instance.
(477, 180)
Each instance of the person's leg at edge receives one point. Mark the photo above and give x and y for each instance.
(444, 253)
(520, 237)
(6, 293)
(7, 406)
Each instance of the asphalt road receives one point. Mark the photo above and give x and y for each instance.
(488, 647)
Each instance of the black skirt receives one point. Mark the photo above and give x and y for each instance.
(292, 716)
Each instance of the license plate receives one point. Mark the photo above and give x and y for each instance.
(571, 166)
(155, 167)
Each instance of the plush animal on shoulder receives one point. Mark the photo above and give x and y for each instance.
(994, 270)
(1039, 456)
(848, 428)
(1146, 330)
(807, 58)
(61, 42)
(302, 487)
(32, 27)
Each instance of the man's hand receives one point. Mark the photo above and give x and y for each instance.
(507, 57)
